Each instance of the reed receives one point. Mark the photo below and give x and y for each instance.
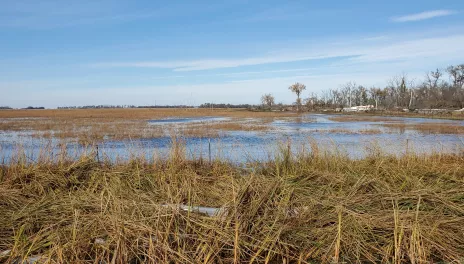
(362, 118)
(364, 131)
(430, 128)
(307, 207)
(89, 126)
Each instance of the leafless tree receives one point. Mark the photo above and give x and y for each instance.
(313, 101)
(297, 88)
(347, 93)
(439, 89)
(267, 100)
(433, 78)
(402, 90)
(457, 74)
(377, 95)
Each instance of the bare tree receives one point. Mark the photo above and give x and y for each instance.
(297, 88)
(439, 89)
(267, 100)
(311, 101)
(377, 95)
(401, 90)
(347, 93)
(433, 78)
(457, 74)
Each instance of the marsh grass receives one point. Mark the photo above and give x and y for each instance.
(365, 131)
(429, 128)
(306, 207)
(137, 114)
(97, 125)
(362, 118)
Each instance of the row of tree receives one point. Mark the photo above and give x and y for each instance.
(122, 106)
(439, 89)
(211, 105)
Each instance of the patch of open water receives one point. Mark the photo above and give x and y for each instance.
(243, 146)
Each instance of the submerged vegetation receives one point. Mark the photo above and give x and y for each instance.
(295, 208)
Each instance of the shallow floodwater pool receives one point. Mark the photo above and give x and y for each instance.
(243, 146)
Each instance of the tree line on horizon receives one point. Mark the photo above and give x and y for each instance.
(434, 91)
(212, 105)
(29, 107)
(122, 106)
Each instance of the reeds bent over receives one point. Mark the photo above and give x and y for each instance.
(305, 208)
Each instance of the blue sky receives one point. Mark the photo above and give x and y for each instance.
(55, 53)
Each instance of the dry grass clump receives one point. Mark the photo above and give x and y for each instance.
(430, 128)
(198, 132)
(307, 208)
(370, 131)
(362, 118)
(339, 131)
(240, 126)
(366, 131)
(218, 128)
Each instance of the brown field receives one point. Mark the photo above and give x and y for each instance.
(90, 125)
(139, 113)
(95, 125)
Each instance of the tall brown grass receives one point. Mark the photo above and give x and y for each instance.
(94, 125)
(430, 128)
(364, 131)
(141, 113)
(362, 118)
(296, 208)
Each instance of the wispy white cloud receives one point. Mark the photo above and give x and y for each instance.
(206, 64)
(231, 74)
(423, 15)
(360, 53)
(432, 48)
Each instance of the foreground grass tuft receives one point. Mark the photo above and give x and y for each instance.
(300, 209)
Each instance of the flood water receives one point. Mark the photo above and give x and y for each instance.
(242, 146)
